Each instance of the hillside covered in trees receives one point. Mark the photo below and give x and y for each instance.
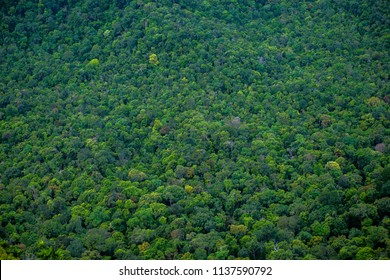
(215, 129)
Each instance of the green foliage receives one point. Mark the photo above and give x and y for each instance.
(332, 165)
(194, 130)
(153, 59)
(93, 63)
(136, 175)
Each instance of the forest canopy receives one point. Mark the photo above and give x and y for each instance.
(194, 129)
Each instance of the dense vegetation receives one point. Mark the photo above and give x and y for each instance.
(183, 129)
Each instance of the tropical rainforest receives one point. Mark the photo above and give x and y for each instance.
(215, 129)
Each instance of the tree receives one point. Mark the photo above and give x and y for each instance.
(365, 253)
(153, 59)
(94, 63)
